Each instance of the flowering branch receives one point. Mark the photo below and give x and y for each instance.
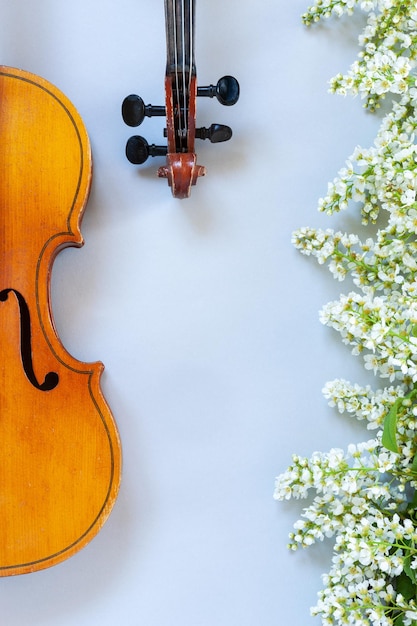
(366, 498)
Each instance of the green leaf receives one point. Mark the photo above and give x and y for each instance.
(410, 573)
(405, 586)
(414, 464)
(412, 504)
(389, 435)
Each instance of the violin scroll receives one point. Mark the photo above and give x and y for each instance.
(138, 150)
(181, 92)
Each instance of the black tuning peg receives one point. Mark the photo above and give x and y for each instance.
(138, 150)
(134, 110)
(226, 91)
(216, 133)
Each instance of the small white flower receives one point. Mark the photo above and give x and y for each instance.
(362, 497)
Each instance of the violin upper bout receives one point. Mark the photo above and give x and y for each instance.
(182, 172)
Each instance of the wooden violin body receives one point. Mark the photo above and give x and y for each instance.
(60, 457)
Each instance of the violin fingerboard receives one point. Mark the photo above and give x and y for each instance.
(179, 20)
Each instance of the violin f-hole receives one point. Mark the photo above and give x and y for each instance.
(51, 379)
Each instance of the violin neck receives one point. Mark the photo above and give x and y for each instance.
(179, 23)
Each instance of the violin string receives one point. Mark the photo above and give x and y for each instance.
(191, 50)
(184, 61)
(183, 19)
(177, 83)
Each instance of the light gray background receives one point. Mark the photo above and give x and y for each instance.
(204, 315)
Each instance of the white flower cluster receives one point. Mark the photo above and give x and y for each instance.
(384, 175)
(366, 498)
(327, 8)
(361, 499)
(364, 403)
(389, 47)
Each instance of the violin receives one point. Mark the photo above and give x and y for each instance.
(181, 169)
(60, 458)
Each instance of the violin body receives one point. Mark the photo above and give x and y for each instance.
(60, 458)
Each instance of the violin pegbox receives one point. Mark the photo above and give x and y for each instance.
(181, 169)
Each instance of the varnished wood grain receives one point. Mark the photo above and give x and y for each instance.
(181, 169)
(60, 457)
